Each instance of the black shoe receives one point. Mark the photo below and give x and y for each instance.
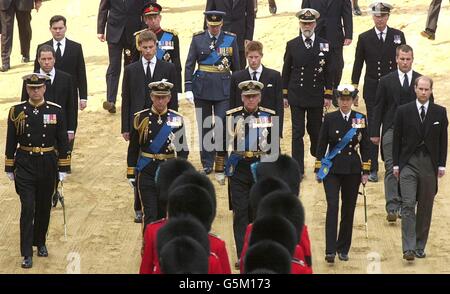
(138, 217)
(206, 171)
(237, 264)
(27, 262)
(373, 177)
(272, 7)
(330, 257)
(420, 253)
(4, 68)
(391, 217)
(55, 198)
(357, 11)
(42, 251)
(343, 256)
(25, 59)
(110, 106)
(408, 255)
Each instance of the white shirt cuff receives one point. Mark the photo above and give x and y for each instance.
(85, 100)
(396, 167)
(442, 168)
(70, 132)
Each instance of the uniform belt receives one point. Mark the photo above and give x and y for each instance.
(250, 154)
(211, 68)
(37, 149)
(158, 156)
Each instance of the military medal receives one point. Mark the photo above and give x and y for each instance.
(167, 56)
(127, 52)
(319, 70)
(159, 121)
(36, 111)
(322, 62)
(324, 47)
(212, 46)
(397, 39)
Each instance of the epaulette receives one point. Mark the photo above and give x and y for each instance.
(139, 112)
(175, 33)
(267, 110)
(230, 33)
(54, 104)
(231, 111)
(159, 221)
(198, 33)
(298, 261)
(139, 32)
(175, 112)
(20, 103)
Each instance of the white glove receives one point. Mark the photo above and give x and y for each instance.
(220, 178)
(132, 182)
(189, 96)
(10, 176)
(62, 176)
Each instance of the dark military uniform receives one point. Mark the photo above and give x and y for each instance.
(344, 175)
(380, 60)
(210, 83)
(306, 82)
(250, 133)
(154, 138)
(36, 129)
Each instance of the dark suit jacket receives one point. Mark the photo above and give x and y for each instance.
(271, 96)
(135, 91)
(239, 18)
(379, 58)
(409, 133)
(21, 5)
(335, 23)
(387, 101)
(60, 92)
(306, 73)
(333, 129)
(119, 17)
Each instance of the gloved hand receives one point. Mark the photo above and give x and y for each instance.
(132, 182)
(62, 176)
(189, 96)
(10, 176)
(220, 178)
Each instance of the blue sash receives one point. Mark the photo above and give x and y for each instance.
(213, 57)
(155, 147)
(326, 162)
(164, 38)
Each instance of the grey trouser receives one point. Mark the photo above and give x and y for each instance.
(418, 186)
(393, 198)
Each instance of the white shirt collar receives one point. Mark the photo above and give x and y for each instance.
(401, 76)
(152, 64)
(258, 70)
(211, 35)
(384, 31)
(62, 47)
(345, 114)
(313, 37)
(52, 73)
(419, 105)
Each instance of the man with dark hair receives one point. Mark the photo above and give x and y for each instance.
(376, 47)
(22, 10)
(394, 89)
(271, 95)
(69, 58)
(239, 19)
(120, 19)
(419, 159)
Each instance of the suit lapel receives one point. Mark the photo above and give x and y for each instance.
(262, 77)
(428, 118)
(235, 3)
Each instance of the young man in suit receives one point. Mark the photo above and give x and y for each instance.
(394, 89)
(376, 47)
(239, 19)
(22, 10)
(271, 95)
(335, 16)
(419, 155)
(120, 19)
(307, 83)
(136, 92)
(69, 58)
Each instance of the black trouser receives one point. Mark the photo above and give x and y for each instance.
(115, 52)
(336, 59)
(35, 183)
(148, 192)
(7, 29)
(240, 185)
(314, 122)
(348, 185)
(137, 200)
(370, 104)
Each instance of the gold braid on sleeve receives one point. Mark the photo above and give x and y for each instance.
(19, 121)
(142, 128)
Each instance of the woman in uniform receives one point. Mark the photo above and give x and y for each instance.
(345, 165)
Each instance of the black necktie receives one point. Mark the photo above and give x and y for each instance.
(381, 38)
(214, 40)
(308, 43)
(58, 51)
(255, 78)
(422, 113)
(345, 117)
(405, 85)
(148, 73)
(49, 82)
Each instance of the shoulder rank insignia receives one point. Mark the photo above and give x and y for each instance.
(198, 33)
(229, 33)
(54, 104)
(231, 111)
(141, 111)
(266, 110)
(175, 112)
(139, 32)
(173, 32)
